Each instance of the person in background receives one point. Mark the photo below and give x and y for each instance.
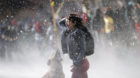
(37, 29)
(136, 18)
(98, 24)
(109, 26)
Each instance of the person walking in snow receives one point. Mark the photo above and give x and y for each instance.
(73, 42)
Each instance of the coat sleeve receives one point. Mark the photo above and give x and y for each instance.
(79, 47)
(64, 42)
(62, 24)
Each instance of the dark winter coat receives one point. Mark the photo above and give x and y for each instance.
(136, 13)
(73, 43)
(98, 21)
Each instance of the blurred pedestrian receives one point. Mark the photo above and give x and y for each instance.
(109, 27)
(136, 18)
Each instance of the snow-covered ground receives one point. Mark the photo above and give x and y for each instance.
(105, 63)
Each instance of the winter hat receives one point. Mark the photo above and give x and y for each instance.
(74, 17)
